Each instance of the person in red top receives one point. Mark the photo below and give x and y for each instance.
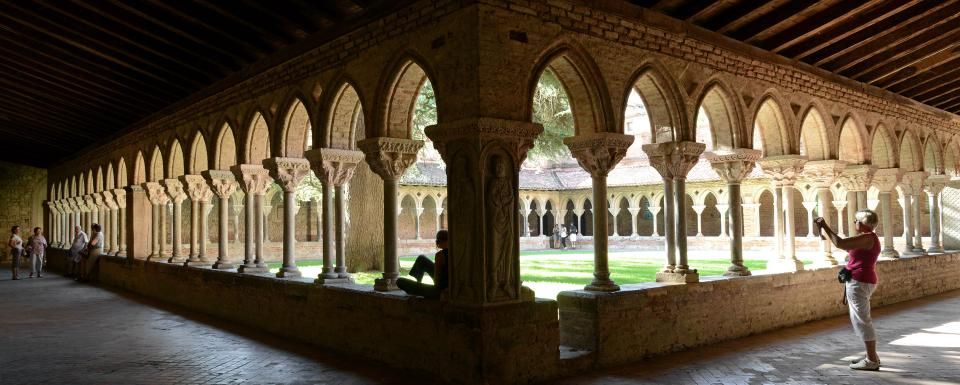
(862, 252)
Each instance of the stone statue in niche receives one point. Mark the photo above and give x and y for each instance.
(501, 205)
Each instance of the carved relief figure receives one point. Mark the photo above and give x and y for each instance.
(501, 204)
(462, 263)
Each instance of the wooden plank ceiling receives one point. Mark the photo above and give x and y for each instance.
(910, 47)
(73, 72)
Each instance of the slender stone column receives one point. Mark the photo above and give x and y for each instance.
(675, 159)
(389, 158)
(823, 173)
(111, 203)
(223, 184)
(633, 221)
(699, 210)
(288, 173)
(886, 180)
(810, 206)
(483, 157)
(254, 181)
(598, 154)
(417, 213)
(177, 196)
(733, 167)
(334, 168)
(543, 231)
(784, 170)
(654, 210)
(120, 197)
(934, 186)
(199, 193)
(724, 212)
(840, 205)
(912, 186)
(158, 199)
(524, 222)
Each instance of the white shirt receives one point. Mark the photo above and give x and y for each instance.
(17, 242)
(79, 241)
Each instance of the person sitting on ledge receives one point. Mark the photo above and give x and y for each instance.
(436, 269)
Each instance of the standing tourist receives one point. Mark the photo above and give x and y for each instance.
(16, 250)
(94, 248)
(80, 240)
(863, 250)
(563, 237)
(38, 251)
(573, 236)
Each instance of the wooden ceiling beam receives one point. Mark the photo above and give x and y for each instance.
(935, 95)
(921, 32)
(920, 57)
(294, 26)
(953, 106)
(711, 10)
(241, 43)
(738, 15)
(816, 24)
(61, 129)
(877, 36)
(777, 17)
(42, 100)
(921, 79)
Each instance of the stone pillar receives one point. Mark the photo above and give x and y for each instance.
(823, 173)
(112, 235)
(120, 198)
(524, 222)
(543, 231)
(810, 206)
(934, 186)
(633, 221)
(389, 158)
(288, 173)
(199, 193)
(483, 157)
(674, 160)
(158, 199)
(177, 196)
(839, 205)
(654, 210)
(733, 167)
(223, 184)
(265, 210)
(912, 186)
(598, 154)
(699, 210)
(724, 209)
(254, 181)
(418, 211)
(334, 168)
(886, 180)
(136, 214)
(784, 170)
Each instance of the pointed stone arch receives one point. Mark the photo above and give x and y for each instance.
(771, 128)
(815, 141)
(911, 153)
(883, 148)
(724, 115)
(98, 182)
(400, 91)
(139, 169)
(75, 187)
(344, 117)
(199, 161)
(257, 146)
(110, 181)
(853, 143)
(951, 157)
(156, 165)
(933, 155)
(175, 163)
(91, 186)
(297, 129)
(122, 173)
(583, 84)
(660, 96)
(226, 148)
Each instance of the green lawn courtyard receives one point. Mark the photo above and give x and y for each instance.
(549, 272)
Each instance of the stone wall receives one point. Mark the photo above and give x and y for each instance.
(22, 192)
(951, 218)
(650, 319)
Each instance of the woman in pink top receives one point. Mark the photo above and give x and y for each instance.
(863, 250)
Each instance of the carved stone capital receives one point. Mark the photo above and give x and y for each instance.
(886, 179)
(390, 157)
(674, 159)
(857, 177)
(253, 178)
(734, 166)
(120, 196)
(156, 194)
(108, 200)
(598, 153)
(222, 183)
(935, 184)
(783, 169)
(174, 190)
(196, 187)
(287, 172)
(823, 172)
(912, 182)
(334, 166)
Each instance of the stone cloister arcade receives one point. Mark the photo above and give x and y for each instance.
(200, 185)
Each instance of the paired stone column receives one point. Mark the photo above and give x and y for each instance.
(598, 154)
(912, 186)
(733, 167)
(334, 168)
(158, 198)
(288, 173)
(934, 186)
(483, 157)
(177, 196)
(199, 193)
(886, 180)
(823, 173)
(120, 198)
(389, 158)
(784, 170)
(633, 221)
(111, 202)
(673, 160)
(254, 181)
(223, 184)
(856, 178)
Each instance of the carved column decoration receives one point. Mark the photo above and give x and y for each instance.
(120, 197)
(933, 187)
(822, 174)
(334, 168)
(886, 180)
(288, 173)
(784, 170)
(198, 191)
(254, 181)
(912, 187)
(223, 184)
(733, 168)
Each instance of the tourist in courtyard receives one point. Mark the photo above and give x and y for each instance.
(80, 240)
(16, 250)
(562, 235)
(572, 237)
(436, 269)
(38, 251)
(863, 250)
(94, 248)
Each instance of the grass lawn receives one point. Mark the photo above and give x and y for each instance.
(549, 272)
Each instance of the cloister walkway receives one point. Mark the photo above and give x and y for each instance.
(57, 331)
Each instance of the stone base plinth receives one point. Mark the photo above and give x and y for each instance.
(889, 253)
(936, 250)
(223, 266)
(333, 281)
(688, 277)
(292, 273)
(253, 269)
(385, 284)
(198, 264)
(737, 271)
(785, 265)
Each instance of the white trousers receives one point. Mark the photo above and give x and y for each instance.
(858, 299)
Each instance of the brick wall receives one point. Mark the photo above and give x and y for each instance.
(22, 192)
